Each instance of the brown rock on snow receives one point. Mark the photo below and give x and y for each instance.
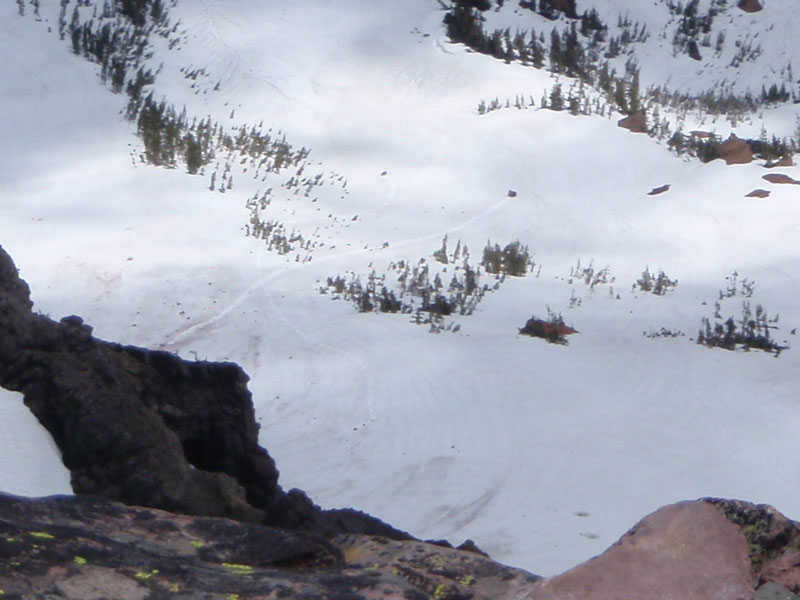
(759, 193)
(750, 6)
(688, 551)
(780, 178)
(735, 151)
(659, 190)
(635, 123)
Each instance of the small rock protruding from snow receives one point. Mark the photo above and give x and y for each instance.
(780, 178)
(735, 151)
(659, 190)
(750, 6)
(758, 193)
(635, 123)
(784, 161)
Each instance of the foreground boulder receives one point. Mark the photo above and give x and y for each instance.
(688, 551)
(84, 548)
(147, 428)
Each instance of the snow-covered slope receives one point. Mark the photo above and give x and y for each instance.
(543, 454)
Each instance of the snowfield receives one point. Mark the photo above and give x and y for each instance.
(543, 454)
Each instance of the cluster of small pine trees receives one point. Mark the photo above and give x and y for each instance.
(751, 331)
(581, 51)
(426, 299)
(514, 259)
(423, 294)
(576, 51)
(117, 38)
(658, 284)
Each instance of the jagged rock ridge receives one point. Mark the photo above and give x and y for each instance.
(148, 428)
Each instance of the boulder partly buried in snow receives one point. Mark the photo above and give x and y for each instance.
(750, 6)
(780, 178)
(659, 190)
(758, 193)
(735, 151)
(783, 161)
(554, 331)
(635, 123)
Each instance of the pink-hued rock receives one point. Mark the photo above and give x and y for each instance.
(686, 551)
(781, 178)
(784, 570)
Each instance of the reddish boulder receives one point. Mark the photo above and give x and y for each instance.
(635, 123)
(781, 178)
(784, 570)
(554, 330)
(750, 6)
(735, 151)
(688, 551)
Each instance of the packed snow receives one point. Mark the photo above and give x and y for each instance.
(542, 454)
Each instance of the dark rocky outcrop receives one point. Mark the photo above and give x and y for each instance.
(659, 190)
(693, 50)
(147, 428)
(758, 193)
(85, 548)
(554, 330)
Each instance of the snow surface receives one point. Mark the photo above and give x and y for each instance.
(543, 454)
